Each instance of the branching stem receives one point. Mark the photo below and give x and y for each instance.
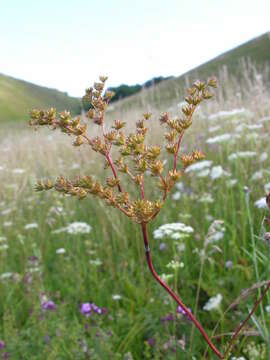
(109, 159)
(173, 295)
(178, 148)
(142, 188)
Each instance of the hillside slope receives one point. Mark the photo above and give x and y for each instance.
(257, 51)
(17, 97)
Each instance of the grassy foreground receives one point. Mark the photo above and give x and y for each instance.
(47, 271)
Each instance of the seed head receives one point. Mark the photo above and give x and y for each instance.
(135, 155)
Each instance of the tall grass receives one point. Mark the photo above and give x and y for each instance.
(110, 260)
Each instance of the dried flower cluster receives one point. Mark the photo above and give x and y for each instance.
(135, 157)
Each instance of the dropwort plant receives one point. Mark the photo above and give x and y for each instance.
(135, 158)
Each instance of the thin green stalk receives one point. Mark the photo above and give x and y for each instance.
(251, 228)
(197, 299)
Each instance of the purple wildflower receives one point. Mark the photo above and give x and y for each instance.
(96, 309)
(151, 342)
(169, 317)
(86, 309)
(228, 264)
(48, 305)
(2, 344)
(181, 311)
(162, 246)
(47, 339)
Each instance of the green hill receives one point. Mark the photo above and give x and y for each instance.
(17, 97)
(257, 51)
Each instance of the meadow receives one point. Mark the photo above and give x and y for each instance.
(59, 254)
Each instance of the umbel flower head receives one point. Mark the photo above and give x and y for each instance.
(135, 157)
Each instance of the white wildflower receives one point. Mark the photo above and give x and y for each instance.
(61, 251)
(261, 203)
(75, 166)
(181, 247)
(267, 187)
(216, 172)
(3, 247)
(214, 128)
(263, 157)
(79, 228)
(225, 114)
(199, 166)
(258, 175)
(2, 239)
(238, 358)
(31, 226)
(206, 198)
(75, 228)
(6, 275)
(116, 297)
(219, 139)
(203, 173)
(179, 186)
(6, 212)
(267, 309)
(170, 229)
(216, 231)
(241, 127)
(95, 262)
(7, 223)
(217, 236)
(178, 236)
(176, 196)
(213, 303)
(18, 171)
(254, 126)
(242, 155)
(209, 217)
(175, 265)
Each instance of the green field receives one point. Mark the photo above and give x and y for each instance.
(58, 253)
(18, 97)
(107, 266)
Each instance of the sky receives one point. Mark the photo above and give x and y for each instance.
(67, 44)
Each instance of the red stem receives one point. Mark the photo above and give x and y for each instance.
(113, 170)
(109, 159)
(173, 295)
(142, 188)
(178, 148)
